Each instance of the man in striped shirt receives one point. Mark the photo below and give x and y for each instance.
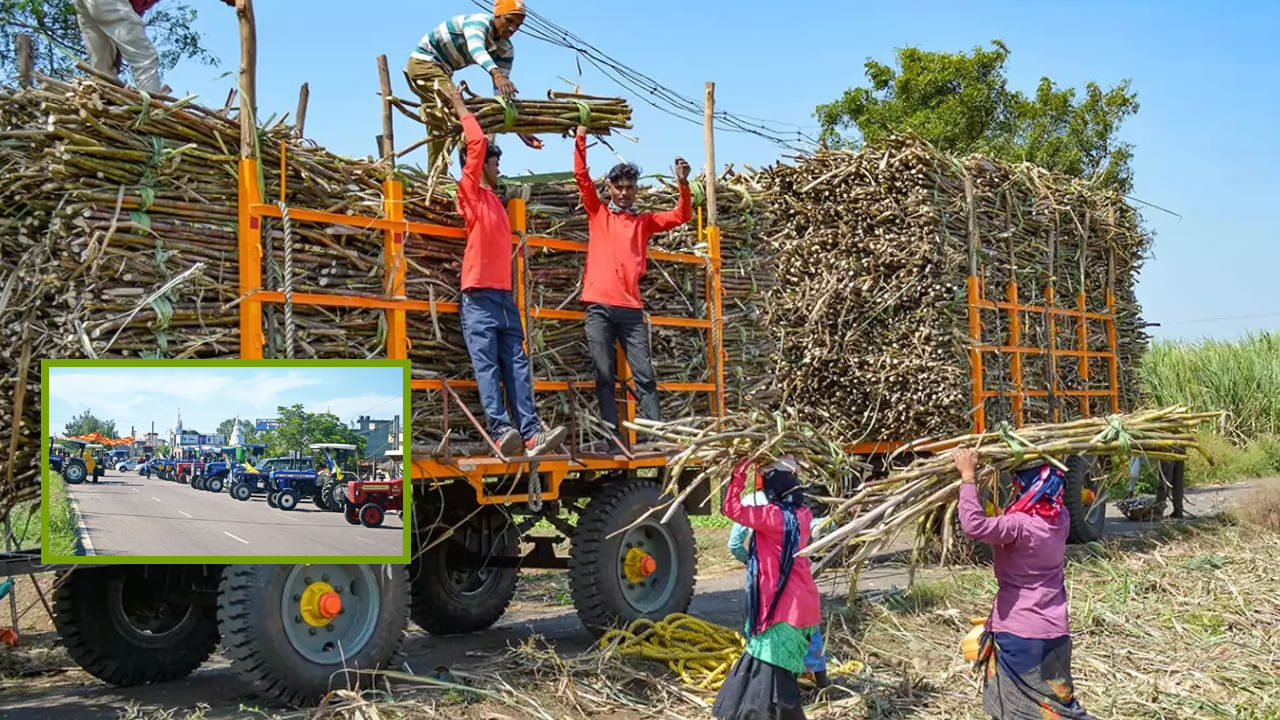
(482, 39)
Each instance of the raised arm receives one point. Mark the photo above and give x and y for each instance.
(477, 146)
(999, 530)
(586, 188)
(663, 221)
(767, 517)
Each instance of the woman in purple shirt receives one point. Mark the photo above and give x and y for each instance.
(1028, 671)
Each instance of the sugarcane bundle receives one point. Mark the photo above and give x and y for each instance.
(869, 314)
(560, 113)
(871, 514)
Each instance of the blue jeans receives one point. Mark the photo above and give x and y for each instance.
(495, 340)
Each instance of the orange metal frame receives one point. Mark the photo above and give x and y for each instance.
(1015, 309)
(480, 472)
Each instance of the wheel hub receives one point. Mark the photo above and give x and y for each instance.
(638, 565)
(319, 604)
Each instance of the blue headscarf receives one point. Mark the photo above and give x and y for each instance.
(781, 488)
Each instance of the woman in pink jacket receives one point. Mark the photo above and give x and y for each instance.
(1027, 675)
(783, 605)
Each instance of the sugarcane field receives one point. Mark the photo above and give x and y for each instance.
(867, 368)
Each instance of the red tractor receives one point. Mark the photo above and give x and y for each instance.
(369, 500)
(187, 470)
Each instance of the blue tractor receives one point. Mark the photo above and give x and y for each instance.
(218, 474)
(248, 480)
(288, 486)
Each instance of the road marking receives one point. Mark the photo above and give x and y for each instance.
(81, 529)
(233, 537)
(184, 513)
(136, 490)
(365, 540)
(153, 497)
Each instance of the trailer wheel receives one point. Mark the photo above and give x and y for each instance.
(647, 572)
(1082, 493)
(353, 514)
(215, 484)
(73, 471)
(241, 492)
(292, 629)
(137, 624)
(287, 499)
(452, 592)
(371, 515)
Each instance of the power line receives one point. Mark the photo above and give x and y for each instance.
(1223, 319)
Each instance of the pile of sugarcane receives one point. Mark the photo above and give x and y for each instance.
(560, 113)
(869, 316)
(871, 513)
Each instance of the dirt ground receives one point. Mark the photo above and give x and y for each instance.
(40, 682)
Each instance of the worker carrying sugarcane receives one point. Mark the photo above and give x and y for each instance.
(482, 39)
(113, 31)
(617, 257)
(491, 324)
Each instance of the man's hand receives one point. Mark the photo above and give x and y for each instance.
(966, 460)
(682, 171)
(582, 131)
(454, 96)
(531, 140)
(502, 84)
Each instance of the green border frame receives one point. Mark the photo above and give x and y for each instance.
(406, 413)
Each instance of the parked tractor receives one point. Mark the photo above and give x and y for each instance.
(187, 470)
(85, 466)
(217, 474)
(248, 480)
(341, 467)
(368, 501)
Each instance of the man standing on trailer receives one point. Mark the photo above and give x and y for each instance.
(482, 39)
(617, 255)
(490, 321)
(113, 30)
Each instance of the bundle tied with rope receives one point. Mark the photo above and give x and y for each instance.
(868, 514)
(559, 113)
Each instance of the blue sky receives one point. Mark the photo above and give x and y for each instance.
(206, 396)
(1204, 73)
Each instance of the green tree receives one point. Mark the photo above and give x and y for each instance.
(86, 422)
(962, 104)
(299, 428)
(58, 43)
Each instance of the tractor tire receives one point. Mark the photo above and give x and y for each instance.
(1088, 518)
(333, 501)
(215, 484)
(287, 499)
(198, 482)
(138, 624)
(603, 594)
(74, 472)
(371, 515)
(353, 514)
(339, 494)
(184, 478)
(286, 659)
(271, 498)
(319, 499)
(451, 594)
(241, 492)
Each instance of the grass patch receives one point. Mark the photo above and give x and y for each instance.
(1240, 377)
(62, 518)
(24, 522)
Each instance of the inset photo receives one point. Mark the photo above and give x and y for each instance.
(226, 461)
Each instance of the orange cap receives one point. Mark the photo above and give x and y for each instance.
(506, 7)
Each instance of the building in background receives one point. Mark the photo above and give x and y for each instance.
(379, 435)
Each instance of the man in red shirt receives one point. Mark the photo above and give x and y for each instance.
(617, 254)
(490, 321)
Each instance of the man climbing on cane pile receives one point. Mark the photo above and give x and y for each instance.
(617, 255)
(490, 321)
(482, 39)
(113, 30)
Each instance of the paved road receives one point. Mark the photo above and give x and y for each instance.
(77, 696)
(128, 514)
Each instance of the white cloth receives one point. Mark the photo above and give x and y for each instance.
(112, 25)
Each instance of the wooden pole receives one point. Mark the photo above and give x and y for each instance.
(26, 60)
(300, 124)
(248, 79)
(388, 128)
(711, 154)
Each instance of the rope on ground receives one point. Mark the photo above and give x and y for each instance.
(700, 652)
